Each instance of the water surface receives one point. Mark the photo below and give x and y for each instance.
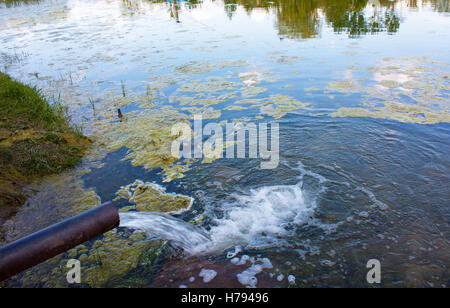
(364, 166)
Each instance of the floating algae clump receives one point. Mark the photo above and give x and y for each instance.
(282, 104)
(216, 84)
(341, 85)
(274, 112)
(423, 82)
(147, 135)
(210, 85)
(389, 84)
(252, 91)
(194, 67)
(205, 113)
(152, 197)
(177, 170)
(397, 111)
(285, 100)
(235, 108)
(250, 101)
(251, 78)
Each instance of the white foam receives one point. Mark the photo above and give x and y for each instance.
(260, 218)
(248, 277)
(232, 254)
(207, 275)
(291, 279)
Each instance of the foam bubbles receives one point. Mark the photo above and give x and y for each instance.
(207, 275)
(261, 217)
(291, 279)
(248, 276)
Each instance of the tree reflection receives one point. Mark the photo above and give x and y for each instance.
(298, 18)
(301, 19)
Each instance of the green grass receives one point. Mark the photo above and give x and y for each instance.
(24, 102)
(36, 139)
(18, 2)
(42, 155)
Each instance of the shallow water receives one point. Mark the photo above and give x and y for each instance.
(359, 89)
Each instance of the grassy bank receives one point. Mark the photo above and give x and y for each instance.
(18, 2)
(35, 140)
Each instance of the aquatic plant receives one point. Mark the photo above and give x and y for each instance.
(122, 86)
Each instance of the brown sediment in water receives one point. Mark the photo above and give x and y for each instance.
(186, 272)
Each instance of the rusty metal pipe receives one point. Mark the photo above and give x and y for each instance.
(33, 249)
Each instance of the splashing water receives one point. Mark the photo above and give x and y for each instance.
(164, 226)
(260, 219)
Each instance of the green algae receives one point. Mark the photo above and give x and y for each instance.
(210, 85)
(341, 84)
(250, 101)
(147, 134)
(216, 84)
(418, 78)
(116, 256)
(152, 197)
(397, 111)
(251, 78)
(282, 104)
(205, 113)
(182, 100)
(286, 100)
(391, 84)
(285, 59)
(103, 262)
(231, 63)
(310, 89)
(195, 67)
(252, 91)
(235, 108)
(274, 112)
(176, 171)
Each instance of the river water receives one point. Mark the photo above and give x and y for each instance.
(359, 89)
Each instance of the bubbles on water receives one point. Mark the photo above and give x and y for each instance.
(264, 217)
(248, 276)
(232, 254)
(207, 275)
(291, 279)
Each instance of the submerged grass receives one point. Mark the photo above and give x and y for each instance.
(36, 139)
